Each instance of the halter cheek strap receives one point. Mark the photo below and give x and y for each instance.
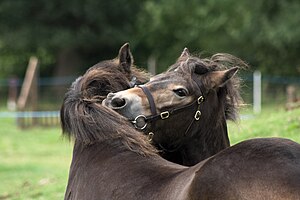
(150, 99)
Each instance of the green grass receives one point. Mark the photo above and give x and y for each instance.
(34, 163)
(274, 121)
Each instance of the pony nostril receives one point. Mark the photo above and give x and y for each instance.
(118, 102)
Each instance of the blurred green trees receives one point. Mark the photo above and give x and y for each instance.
(65, 35)
(264, 33)
(69, 36)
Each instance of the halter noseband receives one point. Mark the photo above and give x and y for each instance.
(150, 99)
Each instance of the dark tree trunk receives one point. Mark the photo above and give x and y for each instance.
(68, 63)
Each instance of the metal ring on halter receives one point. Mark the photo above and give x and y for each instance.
(197, 115)
(150, 136)
(136, 122)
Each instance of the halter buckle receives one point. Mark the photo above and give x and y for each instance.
(133, 81)
(140, 122)
(164, 115)
(200, 99)
(197, 115)
(150, 136)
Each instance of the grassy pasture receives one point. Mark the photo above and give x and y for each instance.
(34, 163)
(274, 121)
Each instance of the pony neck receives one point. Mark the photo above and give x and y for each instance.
(204, 144)
(210, 136)
(206, 137)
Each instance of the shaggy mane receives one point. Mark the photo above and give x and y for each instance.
(84, 119)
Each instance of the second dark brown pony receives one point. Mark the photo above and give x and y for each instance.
(111, 160)
(190, 105)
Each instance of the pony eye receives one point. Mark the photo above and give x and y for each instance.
(180, 92)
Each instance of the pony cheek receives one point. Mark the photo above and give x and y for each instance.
(136, 109)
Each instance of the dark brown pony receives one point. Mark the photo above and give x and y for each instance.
(185, 109)
(98, 81)
(112, 160)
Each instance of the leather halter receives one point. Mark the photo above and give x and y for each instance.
(141, 121)
(150, 99)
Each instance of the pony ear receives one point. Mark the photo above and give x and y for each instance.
(125, 57)
(185, 54)
(215, 79)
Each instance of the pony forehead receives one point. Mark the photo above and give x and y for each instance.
(189, 64)
(167, 77)
(161, 84)
(177, 74)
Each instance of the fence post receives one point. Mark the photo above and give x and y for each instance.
(257, 92)
(152, 65)
(29, 90)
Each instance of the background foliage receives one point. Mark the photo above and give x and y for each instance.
(70, 36)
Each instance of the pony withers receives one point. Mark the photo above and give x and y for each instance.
(185, 109)
(112, 160)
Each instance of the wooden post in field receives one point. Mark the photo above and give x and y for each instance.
(152, 65)
(29, 91)
(257, 92)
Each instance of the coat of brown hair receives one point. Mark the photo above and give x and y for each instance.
(111, 160)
